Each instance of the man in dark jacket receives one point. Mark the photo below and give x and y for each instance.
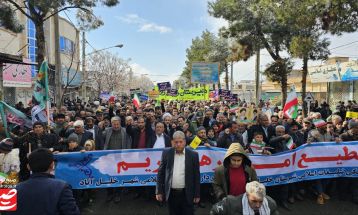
(35, 139)
(261, 127)
(42, 194)
(178, 179)
(254, 201)
(159, 139)
(230, 135)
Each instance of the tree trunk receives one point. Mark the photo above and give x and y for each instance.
(40, 40)
(226, 76)
(284, 90)
(304, 84)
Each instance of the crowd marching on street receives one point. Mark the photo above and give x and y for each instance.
(248, 128)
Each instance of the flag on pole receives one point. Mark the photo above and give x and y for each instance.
(41, 86)
(12, 115)
(40, 94)
(290, 144)
(136, 101)
(291, 107)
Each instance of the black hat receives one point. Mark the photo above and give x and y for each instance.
(6, 144)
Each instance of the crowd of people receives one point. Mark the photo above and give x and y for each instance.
(102, 125)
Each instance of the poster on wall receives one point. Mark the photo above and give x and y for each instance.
(205, 73)
(17, 75)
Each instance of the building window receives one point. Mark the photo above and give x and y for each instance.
(32, 47)
(67, 46)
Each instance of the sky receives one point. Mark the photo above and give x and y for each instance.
(156, 34)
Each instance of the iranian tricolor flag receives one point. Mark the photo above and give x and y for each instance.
(136, 101)
(290, 144)
(291, 107)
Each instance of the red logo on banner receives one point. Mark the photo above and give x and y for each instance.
(8, 199)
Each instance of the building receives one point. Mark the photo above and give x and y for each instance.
(272, 90)
(23, 45)
(341, 75)
(245, 89)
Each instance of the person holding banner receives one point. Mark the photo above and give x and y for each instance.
(253, 202)
(282, 142)
(115, 137)
(345, 185)
(321, 134)
(36, 138)
(178, 179)
(236, 171)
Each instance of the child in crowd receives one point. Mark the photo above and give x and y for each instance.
(258, 146)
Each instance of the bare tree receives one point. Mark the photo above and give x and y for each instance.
(108, 72)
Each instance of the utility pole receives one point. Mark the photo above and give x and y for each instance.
(232, 76)
(84, 72)
(257, 76)
(58, 71)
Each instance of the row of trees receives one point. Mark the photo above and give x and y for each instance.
(278, 26)
(108, 72)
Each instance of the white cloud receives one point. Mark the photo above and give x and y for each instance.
(140, 70)
(155, 77)
(143, 24)
(214, 24)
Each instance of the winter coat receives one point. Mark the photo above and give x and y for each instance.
(221, 182)
(232, 205)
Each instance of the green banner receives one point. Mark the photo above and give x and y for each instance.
(197, 93)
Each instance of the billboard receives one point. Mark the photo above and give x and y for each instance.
(17, 75)
(346, 71)
(205, 73)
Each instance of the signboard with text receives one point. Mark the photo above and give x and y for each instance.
(17, 75)
(346, 71)
(205, 73)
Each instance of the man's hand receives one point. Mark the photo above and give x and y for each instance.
(196, 200)
(207, 145)
(159, 197)
(338, 140)
(286, 136)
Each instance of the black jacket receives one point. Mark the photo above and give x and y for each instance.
(192, 174)
(153, 139)
(258, 128)
(134, 133)
(42, 194)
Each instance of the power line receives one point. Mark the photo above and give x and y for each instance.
(343, 45)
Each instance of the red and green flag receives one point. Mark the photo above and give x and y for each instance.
(291, 107)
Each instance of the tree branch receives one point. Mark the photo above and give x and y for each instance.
(20, 9)
(65, 8)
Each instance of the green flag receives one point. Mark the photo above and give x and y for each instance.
(41, 86)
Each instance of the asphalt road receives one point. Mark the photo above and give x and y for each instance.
(144, 206)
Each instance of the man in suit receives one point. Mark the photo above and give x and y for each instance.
(96, 132)
(159, 139)
(178, 180)
(115, 137)
(42, 194)
(261, 127)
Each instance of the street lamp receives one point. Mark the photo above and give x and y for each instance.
(95, 51)
(84, 72)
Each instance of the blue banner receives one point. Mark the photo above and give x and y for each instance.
(139, 167)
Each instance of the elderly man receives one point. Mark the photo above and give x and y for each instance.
(178, 179)
(253, 202)
(79, 129)
(115, 137)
